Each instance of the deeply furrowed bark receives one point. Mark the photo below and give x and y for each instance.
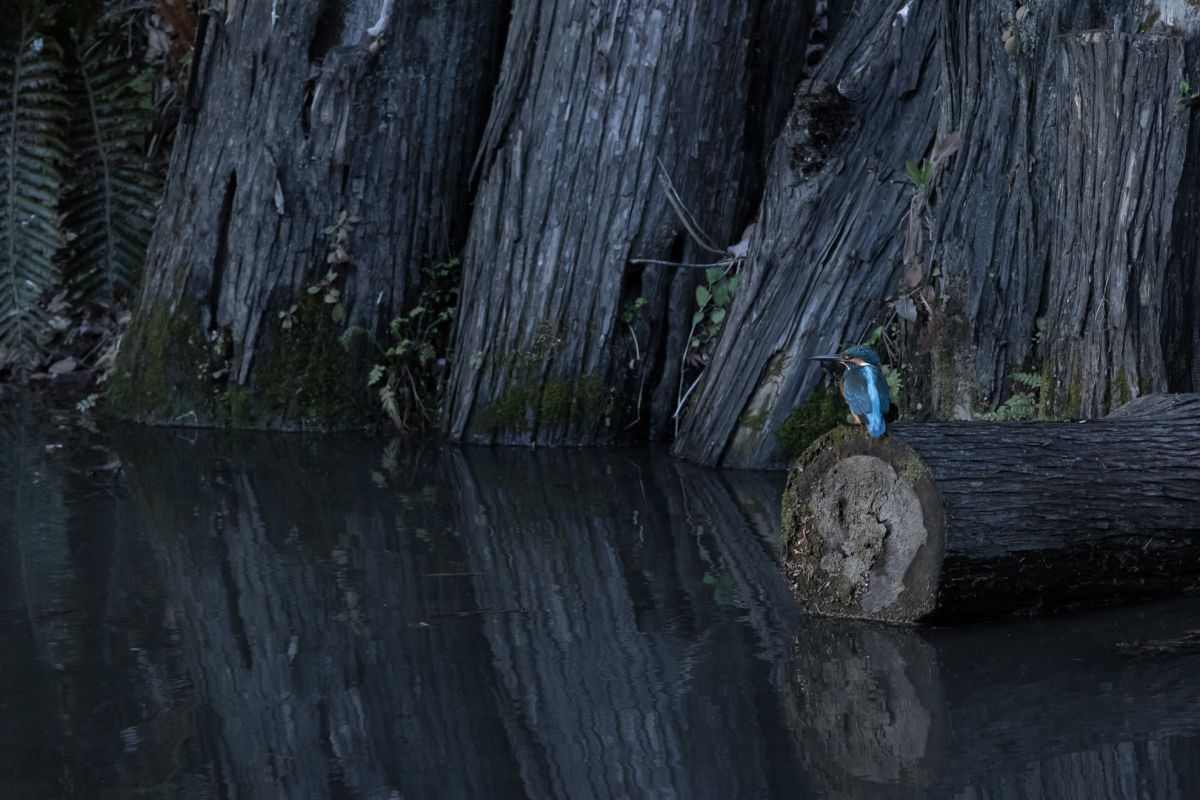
(590, 99)
(1059, 232)
(827, 247)
(1056, 224)
(1111, 249)
(298, 113)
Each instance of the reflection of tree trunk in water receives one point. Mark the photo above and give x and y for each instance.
(741, 510)
(1063, 714)
(291, 585)
(87, 661)
(612, 675)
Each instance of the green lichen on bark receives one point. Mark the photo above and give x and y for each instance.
(1120, 393)
(160, 373)
(582, 402)
(510, 412)
(1074, 397)
(307, 378)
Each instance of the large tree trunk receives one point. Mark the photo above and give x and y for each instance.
(1107, 286)
(300, 115)
(830, 232)
(1058, 239)
(944, 521)
(591, 100)
(1053, 227)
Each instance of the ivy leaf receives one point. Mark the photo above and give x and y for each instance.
(718, 316)
(339, 312)
(714, 274)
(698, 317)
(702, 295)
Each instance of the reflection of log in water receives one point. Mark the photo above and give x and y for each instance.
(1056, 712)
(619, 645)
(329, 662)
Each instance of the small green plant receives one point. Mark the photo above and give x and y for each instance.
(895, 384)
(1188, 96)
(1021, 405)
(631, 310)
(919, 176)
(287, 319)
(337, 258)
(712, 305)
(408, 375)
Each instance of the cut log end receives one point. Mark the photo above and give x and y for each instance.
(863, 529)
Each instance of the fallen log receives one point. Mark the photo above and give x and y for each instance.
(947, 521)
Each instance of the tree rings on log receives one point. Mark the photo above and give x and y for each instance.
(863, 529)
(948, 520)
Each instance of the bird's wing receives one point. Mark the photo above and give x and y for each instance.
(854, 389)
(881, 386)
(859, 394)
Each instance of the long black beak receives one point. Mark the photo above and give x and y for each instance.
(829, 357)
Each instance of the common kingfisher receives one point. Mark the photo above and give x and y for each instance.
(863, 386)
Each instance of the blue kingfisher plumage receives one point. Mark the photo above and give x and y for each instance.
(863, 386)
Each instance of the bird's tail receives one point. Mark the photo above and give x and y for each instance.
(875, 425)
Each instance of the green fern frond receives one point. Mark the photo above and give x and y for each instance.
(1031, 380)
(111, 203)
(33, 116)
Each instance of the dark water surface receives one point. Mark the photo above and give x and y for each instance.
(283, 617)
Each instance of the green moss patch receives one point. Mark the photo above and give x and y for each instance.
(160, 374)
(821, 412)
(581, 402)
(307, 378)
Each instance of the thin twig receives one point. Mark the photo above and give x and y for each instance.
(685, 216)
(682, 371)
(637, 354)
(655, 262)
(683, 400)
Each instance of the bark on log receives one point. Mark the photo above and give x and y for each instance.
(299, 113)
(590, 97)
(942, 521)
